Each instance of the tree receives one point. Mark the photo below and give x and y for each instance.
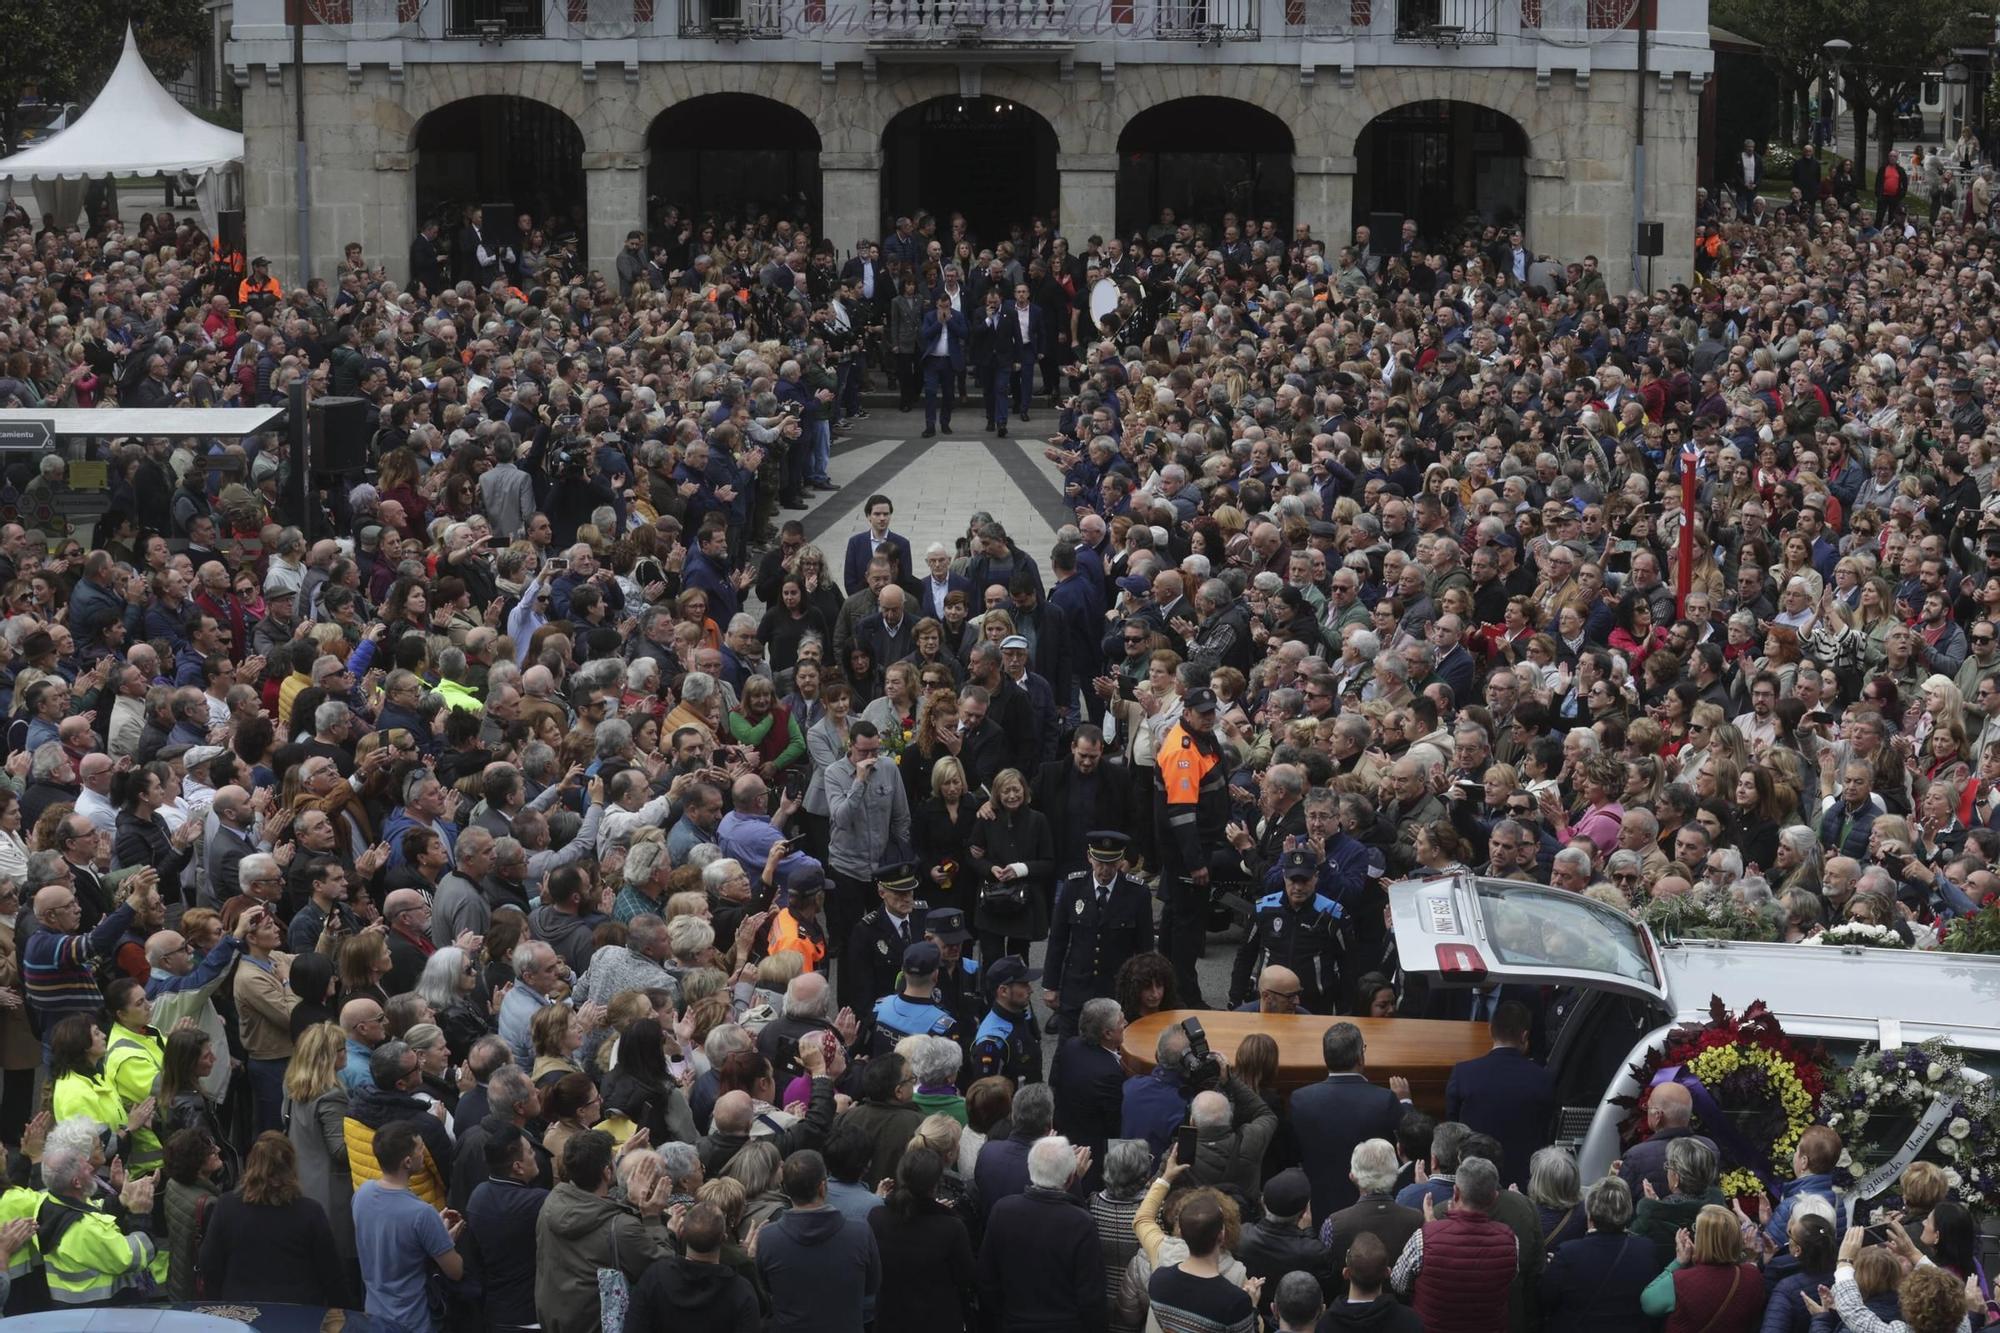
(64, 50)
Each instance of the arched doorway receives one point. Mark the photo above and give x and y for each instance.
(508, 155)
(733, 156)
(1203, 157)
(989, 158)
(1446, 164)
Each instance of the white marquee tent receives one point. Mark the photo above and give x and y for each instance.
(134, 128)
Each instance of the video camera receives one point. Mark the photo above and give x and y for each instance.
(1201, 1070)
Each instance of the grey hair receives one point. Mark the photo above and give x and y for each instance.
(1478, 1183)
(1051, 1162)
(800, 1004)
(719, 872)
(1373, 1166)
(642, 674)
(725, 1040)
(1034, 1110)
(1804, 844)
(67, 1169)
(1552, 1178)
(330, 715)
(1731, 861)
(1608, 1204)
(936, 1060)
(645, 857)
(679, 1161)
(1692, 1160)
(1097, 1018)
(1127, 1163)
(537, 758)
(613, 736)
(508, 1090)
(48, 755)
(1209, 1110)
(697, 687)
(438, 983)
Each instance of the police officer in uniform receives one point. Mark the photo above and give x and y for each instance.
(958, 976)
(1101, 918)
(875, 945)
(918, 1009)
(1009, 1041)
(1190, 811)
(1297, 927)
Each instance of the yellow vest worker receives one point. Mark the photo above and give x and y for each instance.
(260, 285)
(1190, 812)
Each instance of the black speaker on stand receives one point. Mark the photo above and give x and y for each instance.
(1385, 233)
(340, 435)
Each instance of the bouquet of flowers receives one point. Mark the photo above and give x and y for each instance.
(1977, 933)
(1755, 1092)
(1918, 1103)
(1707, 915)
(1857, 933)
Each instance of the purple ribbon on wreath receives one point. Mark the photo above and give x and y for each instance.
(1729, 1141)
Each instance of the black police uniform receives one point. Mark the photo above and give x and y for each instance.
(875, 948)
(1308, 939)
(1093, 929)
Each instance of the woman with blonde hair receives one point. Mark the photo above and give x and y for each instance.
(315, 1104)
(1710, 1287)
(942, 829)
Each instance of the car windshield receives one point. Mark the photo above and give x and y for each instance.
(1532, 928)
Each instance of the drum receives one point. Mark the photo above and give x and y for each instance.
(1103, 301)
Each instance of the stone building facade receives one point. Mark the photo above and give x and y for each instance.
(1570, 108)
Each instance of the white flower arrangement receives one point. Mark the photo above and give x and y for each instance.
(1857, 933)
(1875, 1103)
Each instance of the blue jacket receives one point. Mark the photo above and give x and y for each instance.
(861, 549)
(1594, 1283)
(821, 1269)
(701, 572)
(1785, 1280)
(1507, 1095)
(1778, 1228)
(1856, 842)
(399, 822)
(208, 969)
(956, 329)
(1329, 1118)
(499, 1248)
(1155, 1106)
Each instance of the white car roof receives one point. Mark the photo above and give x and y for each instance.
(1833, 992)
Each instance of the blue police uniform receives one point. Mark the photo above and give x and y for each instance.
(1009, 1045)
(1308, 939)
(898, 1016)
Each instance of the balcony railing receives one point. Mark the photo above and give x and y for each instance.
(1331, 18)
(1448, 22)
(491, 20)
(730, 20)
(966, 20)
(1206, 20)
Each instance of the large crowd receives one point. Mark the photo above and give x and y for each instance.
(525, 884)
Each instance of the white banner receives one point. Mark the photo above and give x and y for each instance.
(1885, 1175)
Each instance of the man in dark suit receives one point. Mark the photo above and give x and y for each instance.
(1505, 1094)
(1669, 1115)
(426, 272)
(1080, 793)
(863, 546)
(1101, 918)
(889, 635)
(1027, 342)
(1089, 1082)
(982, 748)
(941, 347)
(875, 946)
(1341, 1110)
(707, 569)
(939, 583)
(989, 354)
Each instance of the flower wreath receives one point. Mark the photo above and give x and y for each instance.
(1707, 915)
(1755, 1091)
(1918, 1103)
(1857, 933)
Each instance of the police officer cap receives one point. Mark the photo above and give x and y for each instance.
(1199, 700)
(1299, 864)
(1107, 846)
(1134, 584)
(806, 883)
(898, 879)
(947, 924)
(921, 959)
(1006, 971)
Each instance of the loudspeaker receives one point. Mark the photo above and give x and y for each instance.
(339, 434)
(1652, 240)
(1385, 233)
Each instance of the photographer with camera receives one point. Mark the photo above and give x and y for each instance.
(1156, 1102)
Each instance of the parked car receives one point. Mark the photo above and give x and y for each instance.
(1623, 990)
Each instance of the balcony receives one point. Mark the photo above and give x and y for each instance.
(965, 22)
(494, 20)
(1215, 21)
(734, 20)
(1448, 22)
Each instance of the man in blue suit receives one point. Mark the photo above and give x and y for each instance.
(707, 569)
(864, 546)
(942, 347)
(1029, 341)
(1089, 1082)
(1504, 1093)
(1341, 1110)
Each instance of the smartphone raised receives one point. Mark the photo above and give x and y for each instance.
(1186, 1138)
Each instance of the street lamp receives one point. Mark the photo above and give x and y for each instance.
(1836, 49)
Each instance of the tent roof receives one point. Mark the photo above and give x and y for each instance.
(134, 128)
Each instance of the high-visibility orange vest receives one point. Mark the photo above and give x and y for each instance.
(1183, 766)
(250, 288)
(785, 934)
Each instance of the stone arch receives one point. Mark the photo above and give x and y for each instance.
(1439, 162)
(1376, 92)
(735, 154)
(986, 156)
(505, 153)
(428, 88)
(898, 89)
(1204, 156)
(1275, 90)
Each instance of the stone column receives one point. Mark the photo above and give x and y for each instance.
(850, 191)
(615, 195)
(1088, 205)
(1323, 197)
